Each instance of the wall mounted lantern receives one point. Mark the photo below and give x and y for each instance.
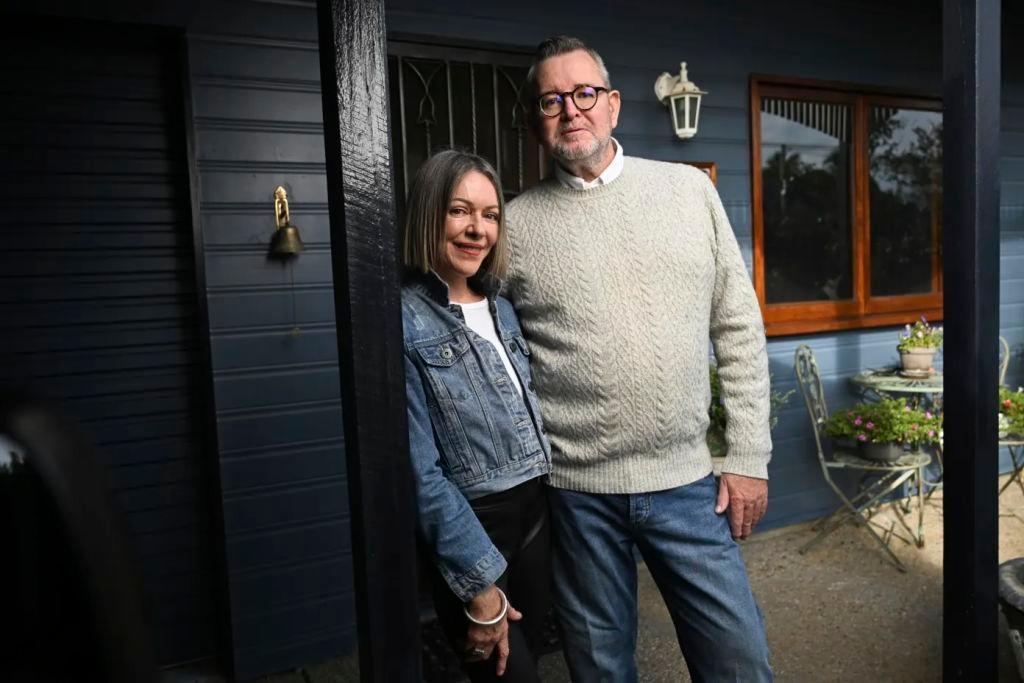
(286, 241)
(682, 96)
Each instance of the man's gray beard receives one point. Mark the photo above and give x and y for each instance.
(564, 153)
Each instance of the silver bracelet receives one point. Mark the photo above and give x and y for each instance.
(495, 620)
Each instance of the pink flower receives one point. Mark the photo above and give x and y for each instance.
(914, 427)
(857, 421)
(870, 425)
(906, 409)
(931, 432)
(928, 414)
(862, 437)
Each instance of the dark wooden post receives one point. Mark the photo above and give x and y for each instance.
(353, 69)
(971, 76)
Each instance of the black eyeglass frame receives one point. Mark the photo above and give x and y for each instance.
(571, 93)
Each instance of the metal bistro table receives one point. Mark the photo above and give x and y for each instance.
(890, 382)
(887, 382)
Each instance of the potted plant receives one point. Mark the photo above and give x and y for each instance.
(883, 430)
(918, 345)
(1011, 412)
(716, 411)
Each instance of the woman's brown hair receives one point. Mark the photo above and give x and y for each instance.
(427, 209)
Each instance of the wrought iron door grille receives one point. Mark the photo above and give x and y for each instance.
(444, 97)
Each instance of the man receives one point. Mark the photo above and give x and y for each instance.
(622, 269)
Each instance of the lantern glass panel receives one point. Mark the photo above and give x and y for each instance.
(682, 112)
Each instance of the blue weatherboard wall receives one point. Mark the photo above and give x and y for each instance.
(255, 81)
(885, 44)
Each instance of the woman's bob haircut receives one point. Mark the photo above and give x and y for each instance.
(429, 195)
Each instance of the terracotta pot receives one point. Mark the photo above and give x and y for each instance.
(882, 452)
(918, 360)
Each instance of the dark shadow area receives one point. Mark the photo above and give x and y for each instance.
(73, 606)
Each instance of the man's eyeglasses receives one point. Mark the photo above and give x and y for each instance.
(584, 97)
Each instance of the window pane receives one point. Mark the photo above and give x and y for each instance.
(805, 184)
(906, 199)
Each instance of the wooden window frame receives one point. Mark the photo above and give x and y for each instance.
(863, 310)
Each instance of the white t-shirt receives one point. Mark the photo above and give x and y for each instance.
(478, 319)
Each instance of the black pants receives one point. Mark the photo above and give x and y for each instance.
(517, 522)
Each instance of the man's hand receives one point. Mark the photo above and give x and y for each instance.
(747, 500)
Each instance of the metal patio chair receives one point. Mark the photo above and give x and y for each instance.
(879, 478)
(1015, 442)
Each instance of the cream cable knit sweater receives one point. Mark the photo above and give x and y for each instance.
(618, 289)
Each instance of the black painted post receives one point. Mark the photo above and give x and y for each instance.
(971, 91)
(353, 68)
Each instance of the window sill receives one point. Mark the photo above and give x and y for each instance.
(778, 326)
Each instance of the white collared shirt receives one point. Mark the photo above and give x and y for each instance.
(609, 174)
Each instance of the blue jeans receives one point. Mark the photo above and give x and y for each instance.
(694, 561)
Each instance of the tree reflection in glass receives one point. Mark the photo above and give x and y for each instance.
(805, 173)
(906, 200)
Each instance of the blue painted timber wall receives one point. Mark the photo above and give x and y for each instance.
(255, 83)
(255, 89)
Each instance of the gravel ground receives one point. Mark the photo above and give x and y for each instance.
(841, 612)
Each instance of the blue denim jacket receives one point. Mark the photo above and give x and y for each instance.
(470, 433)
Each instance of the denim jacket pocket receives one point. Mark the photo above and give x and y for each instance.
(444, 354)
(448, 387)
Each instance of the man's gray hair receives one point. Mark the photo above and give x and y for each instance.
(560, 45)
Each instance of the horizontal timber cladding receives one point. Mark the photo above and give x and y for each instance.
(255, 82)
(98, 291)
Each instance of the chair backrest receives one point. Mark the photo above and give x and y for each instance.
(809, 379)
(1004, 359)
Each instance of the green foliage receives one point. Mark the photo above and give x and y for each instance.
(1011, 410)
(920, 336)
(716, 411)
(887, 421)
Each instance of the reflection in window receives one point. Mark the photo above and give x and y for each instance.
(805, 174)
(905, 147)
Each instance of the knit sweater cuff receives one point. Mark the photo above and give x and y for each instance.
(747, 464)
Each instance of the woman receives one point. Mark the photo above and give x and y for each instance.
(475, 434)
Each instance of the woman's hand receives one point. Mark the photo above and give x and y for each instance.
(487, 639)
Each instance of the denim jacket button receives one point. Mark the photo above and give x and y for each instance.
(446, 353)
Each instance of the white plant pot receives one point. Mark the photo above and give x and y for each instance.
(917, 360)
